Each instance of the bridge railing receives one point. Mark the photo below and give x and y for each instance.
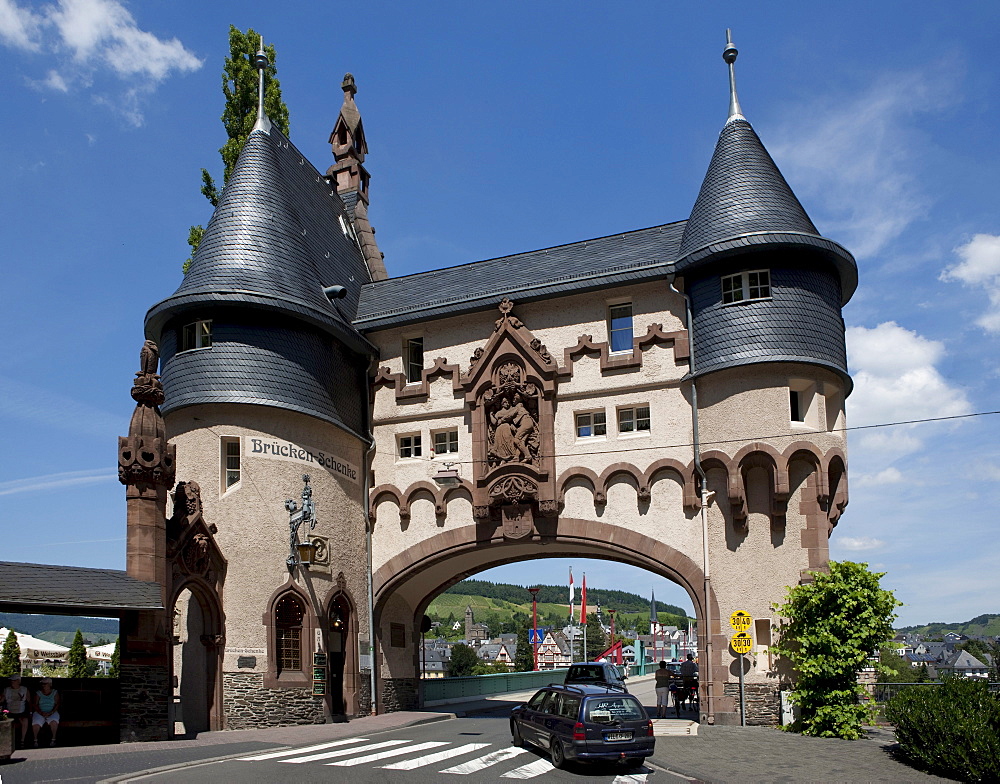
(448, 689)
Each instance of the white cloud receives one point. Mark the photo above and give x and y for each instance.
(979, 266)
(856, 157)
(49, 482)
(859, 543)
(887, 476)
(895, 379)
(98, 36)
(19, 27)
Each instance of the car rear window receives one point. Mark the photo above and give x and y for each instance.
(608, 709)
(582, 674)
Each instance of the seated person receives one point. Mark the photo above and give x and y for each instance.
(46, 711)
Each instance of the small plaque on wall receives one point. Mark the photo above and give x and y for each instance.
(319, 660)
(319, 688)
(397, 635)
(246, 662)
(319, 673)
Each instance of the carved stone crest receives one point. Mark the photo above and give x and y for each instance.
(510, 390)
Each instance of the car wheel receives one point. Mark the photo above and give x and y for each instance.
(558, 754)
(515, 734)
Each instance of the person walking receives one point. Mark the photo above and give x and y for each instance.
(662, 676)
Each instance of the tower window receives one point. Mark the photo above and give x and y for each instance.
(197, 334)
(633, 420)
(410, 446)
(446, 442)
(620, 326)
(801, 403)
(413, 359)
(288, 632)
(746, 286)
(591, 423)
(230, 462)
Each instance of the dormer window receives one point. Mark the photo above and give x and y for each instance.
(197, 334)
(746, 286)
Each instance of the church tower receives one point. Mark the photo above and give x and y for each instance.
(266, 403)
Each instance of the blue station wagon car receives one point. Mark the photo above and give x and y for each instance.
(584, 724)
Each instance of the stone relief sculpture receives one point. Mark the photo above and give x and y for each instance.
(512, 411)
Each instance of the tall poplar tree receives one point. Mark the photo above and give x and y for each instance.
(239, 86)
(10, 657)
(77, 657)
(116, 659)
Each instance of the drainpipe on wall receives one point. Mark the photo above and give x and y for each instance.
(369, 453)
(706, 496)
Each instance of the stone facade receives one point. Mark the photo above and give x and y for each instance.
(144, 696)
(248, 705)
(399, 694)
(763, 703)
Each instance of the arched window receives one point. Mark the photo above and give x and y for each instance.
(288, 614)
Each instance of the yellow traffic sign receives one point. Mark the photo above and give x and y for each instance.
(740, 620)
(741, 642)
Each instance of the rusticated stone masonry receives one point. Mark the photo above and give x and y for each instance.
(364, 692)
(763, 703)
(399, 694)
(248, 705)
(144, 690)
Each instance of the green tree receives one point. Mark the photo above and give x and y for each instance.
(78, 657)
(832, 626)
(116, 659)
(893, 668)
(239, 86)
(463, 660)
(524, 655)
(10, 656)
(597, 640)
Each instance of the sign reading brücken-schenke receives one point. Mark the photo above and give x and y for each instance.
(273, 449)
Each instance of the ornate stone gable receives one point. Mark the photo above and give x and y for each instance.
(191, 547)
(510, 391)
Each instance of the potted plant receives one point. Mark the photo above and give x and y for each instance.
(6, 735)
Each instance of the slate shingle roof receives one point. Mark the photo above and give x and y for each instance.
(565, 269)
(275, 241)
(42, 585)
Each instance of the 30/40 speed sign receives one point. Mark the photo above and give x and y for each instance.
(740, 621)
(741, 643)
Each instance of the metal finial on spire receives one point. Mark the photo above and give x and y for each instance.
(260, 62)
(729, 55)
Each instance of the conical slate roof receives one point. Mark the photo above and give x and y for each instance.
(745, 202)
(279, 236)
(743, 193)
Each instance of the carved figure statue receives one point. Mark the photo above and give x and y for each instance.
(296, 517)
(149, 358)
(512, 416)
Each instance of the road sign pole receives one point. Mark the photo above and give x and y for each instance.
(743, 705)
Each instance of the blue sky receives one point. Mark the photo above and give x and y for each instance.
(496, 128)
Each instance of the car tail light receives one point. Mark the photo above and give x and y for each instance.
(579, 731)
(649, 728)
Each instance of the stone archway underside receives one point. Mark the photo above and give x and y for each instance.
(423, 571)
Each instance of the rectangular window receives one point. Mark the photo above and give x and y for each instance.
(413, 359)
(746, 286)
(230, 462)
(633, 420)
(197, 334)
(591, 423)
(795, 404)
(446, 442)
(620, 326)
(410, 446)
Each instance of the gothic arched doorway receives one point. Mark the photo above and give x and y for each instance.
(342, 672)
(196, 663)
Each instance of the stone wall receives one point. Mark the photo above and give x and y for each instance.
(364, 692)
(145, 691)
(399, 694)
(763, 702)
(248, 705)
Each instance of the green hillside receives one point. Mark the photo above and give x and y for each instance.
(61, 629)
(981, 625)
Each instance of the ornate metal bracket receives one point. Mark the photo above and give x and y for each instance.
(297, 515)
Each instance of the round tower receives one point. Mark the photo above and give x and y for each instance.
(266, 402)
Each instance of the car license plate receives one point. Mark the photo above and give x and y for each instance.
(617, 736)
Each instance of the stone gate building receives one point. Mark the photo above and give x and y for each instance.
(669, 397)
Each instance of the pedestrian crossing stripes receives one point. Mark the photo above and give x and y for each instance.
(404, 754)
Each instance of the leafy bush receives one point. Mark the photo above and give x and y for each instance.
(952, 729)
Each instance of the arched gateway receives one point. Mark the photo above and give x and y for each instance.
(669, 397)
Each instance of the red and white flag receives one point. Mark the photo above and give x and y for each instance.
(583, 600)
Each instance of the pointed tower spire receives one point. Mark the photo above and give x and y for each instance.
(350, 177)
(729, 55)
(260, 62)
